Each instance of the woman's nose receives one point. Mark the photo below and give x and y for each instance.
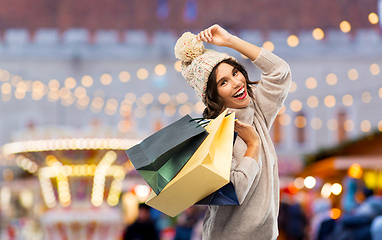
(235, 83)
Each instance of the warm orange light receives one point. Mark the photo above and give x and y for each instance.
(355, 171)
(345, 26)
(335, 213)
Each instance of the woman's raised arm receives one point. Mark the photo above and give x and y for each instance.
(219, 36)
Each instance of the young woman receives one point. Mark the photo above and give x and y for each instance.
(223, 83)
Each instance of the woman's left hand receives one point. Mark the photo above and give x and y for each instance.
(215, 35)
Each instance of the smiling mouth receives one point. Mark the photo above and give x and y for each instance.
(241, 94)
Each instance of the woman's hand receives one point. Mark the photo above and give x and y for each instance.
(246, 132)
(250, 137)
(215, 35)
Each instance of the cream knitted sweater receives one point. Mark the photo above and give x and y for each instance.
(256, 181)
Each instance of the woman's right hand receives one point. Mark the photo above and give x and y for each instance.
(215, 35)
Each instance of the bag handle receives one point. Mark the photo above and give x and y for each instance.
(203, 122)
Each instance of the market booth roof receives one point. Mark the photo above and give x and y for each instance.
(365, 151)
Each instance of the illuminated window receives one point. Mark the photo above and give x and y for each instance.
(190, 11)
(162, 9)
(341, 129)
(276, 130)
(300, 123)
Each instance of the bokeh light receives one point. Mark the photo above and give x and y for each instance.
(374, 69)
(332, 124)
(284, 119)
(178, 66)
(292, 41)
(310, 182)
(269, 46)
(326, 190)
(106, 79)
(373, 18)
(330, 101)
(311, 83)
(347, 100)
(366, 97)
(293, 87)
(336, 188)
(312, 101)
(142, 74)
(124, 76)
(316, 123)
(331, 79)
(353, 74)
(160, 70)
(87, 81)
(300, 121)
(349, 125)
(318, 34)
(345, 26)
(365, 126)
(295, 105)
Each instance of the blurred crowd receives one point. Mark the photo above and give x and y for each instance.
(154, 225)
(360, 218)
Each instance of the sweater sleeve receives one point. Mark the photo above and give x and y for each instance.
(243, 174)
(274, 85)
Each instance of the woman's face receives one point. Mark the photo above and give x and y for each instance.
(231, 86)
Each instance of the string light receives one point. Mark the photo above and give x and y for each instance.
(316, 123)
(293, 87)
(178, 66)
(373, 18)
(331, 79)
(365, 126)
(106, 79)
(311, 83)
(66, 144)
(332, 124)
(87, 81)
(312, 101)
(292, 41)
(124, 76)
(353, 74)
(142, 74)
(284, 119)
(295, 105)
(345, 26)
(347, 100)
(269, 46)
(318, 34)
(366, 97)
(330, 101)
(160, 70)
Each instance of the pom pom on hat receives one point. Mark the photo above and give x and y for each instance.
(187, 48)
(197, 62)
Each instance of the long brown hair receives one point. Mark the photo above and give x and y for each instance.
(214, 103)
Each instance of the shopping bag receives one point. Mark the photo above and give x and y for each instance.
(224, 196)
(159, 157)
(205, 172)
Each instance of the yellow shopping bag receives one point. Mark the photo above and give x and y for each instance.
(205, 172)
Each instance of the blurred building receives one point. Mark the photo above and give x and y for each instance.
(80, 63)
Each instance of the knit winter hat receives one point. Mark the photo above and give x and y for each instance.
(197, 62)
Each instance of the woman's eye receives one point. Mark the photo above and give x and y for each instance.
(223, 82)
(234, 73)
